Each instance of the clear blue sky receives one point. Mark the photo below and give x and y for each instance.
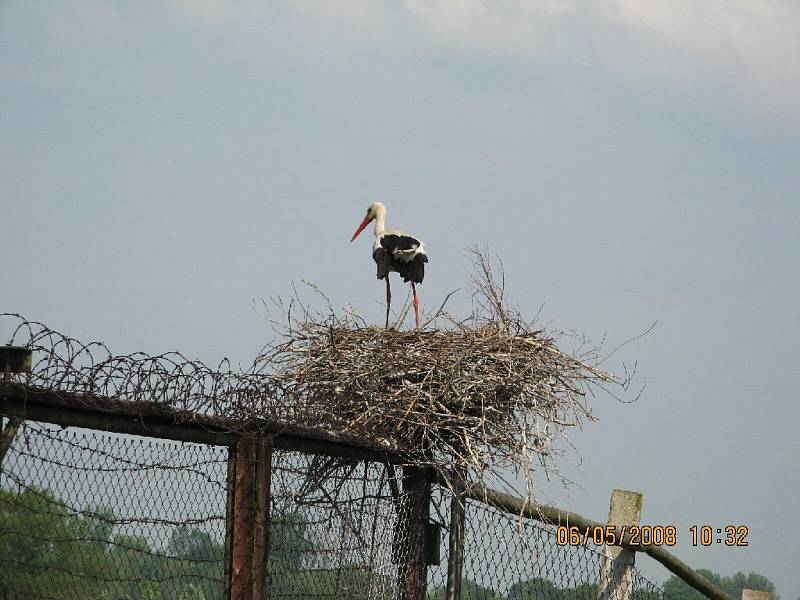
(163, 164)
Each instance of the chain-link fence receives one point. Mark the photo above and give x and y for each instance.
(512, 558)
(85, 514)
(333, 529)
(91, 515)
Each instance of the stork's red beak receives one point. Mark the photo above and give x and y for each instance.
(364, 223)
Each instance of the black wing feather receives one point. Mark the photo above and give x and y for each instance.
(413, 270)
(409, 270)
(384, 261)
(393, 242)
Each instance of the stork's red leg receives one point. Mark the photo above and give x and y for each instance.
(388, 300)
(415, 302)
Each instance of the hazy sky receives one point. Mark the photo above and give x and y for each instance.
(163, 164)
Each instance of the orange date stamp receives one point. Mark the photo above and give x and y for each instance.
(651, 535)
(648, 535)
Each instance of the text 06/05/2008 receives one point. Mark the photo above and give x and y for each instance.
(649, 535)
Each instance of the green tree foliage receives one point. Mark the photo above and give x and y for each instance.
(534, 589)
(751, 581)
(48, 551)
(193, 544)
(298, 570)
(289, 541)
(343, 584)
(539, 588)
(197, 563)
(469, 591)
(646, 595)
(43, 548)
(678, 589)
(138, 571)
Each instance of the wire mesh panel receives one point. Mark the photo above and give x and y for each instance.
(333, 529)
(510, 558)
(85, 514)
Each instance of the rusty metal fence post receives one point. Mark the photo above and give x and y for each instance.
(229, 505)
(243, 519)
(247, 517)
(262, 516)
(414, 563)
(455, 556)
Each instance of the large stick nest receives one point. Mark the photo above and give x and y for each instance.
(486, 393)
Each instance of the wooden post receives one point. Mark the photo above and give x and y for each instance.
(414, 524)
(262, 516)
(229, 505)
(754, 595)
(243, 519)
(616, 571)
(455, 556)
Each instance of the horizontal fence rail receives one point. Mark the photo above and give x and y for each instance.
(153, 420)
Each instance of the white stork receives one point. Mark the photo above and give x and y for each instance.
(396, 251)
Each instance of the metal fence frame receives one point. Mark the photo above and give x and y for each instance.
(249, 476)
(249, 471)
